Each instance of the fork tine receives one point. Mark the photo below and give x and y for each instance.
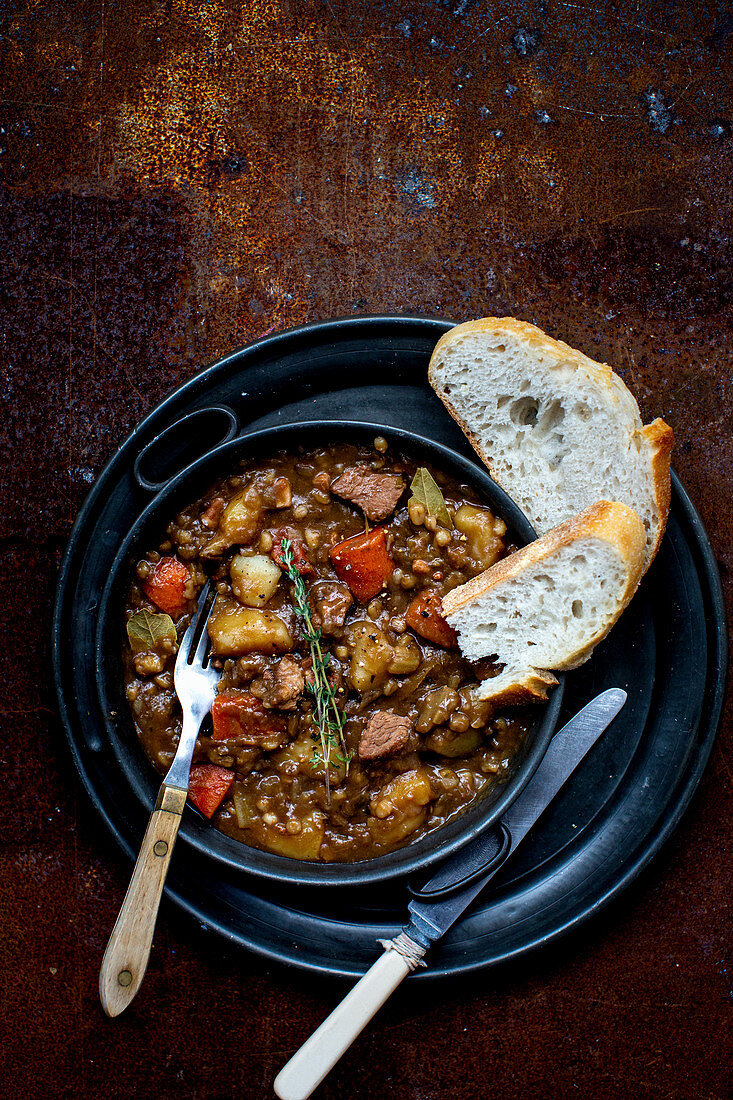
(184, 648)
(204, 642)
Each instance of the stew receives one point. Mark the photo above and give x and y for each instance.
(346, 722)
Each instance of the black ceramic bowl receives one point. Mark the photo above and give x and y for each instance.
(183, 488)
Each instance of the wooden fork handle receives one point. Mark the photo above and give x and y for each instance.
(126, 957)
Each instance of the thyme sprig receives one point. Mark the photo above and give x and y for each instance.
(329, 719)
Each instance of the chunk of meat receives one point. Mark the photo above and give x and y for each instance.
(385, 734)
(208, 786)
(240, 716)
(167, 585)
(282, 493)
(375, 493)
(425, 617)
(210, 516)
(301, 561)
(282, 685)
(334, 673)
(330, 602)
(363, 563)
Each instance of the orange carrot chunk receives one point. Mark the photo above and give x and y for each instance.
(165, 586)
(425, 617)
(208, 786)
(241, 715)
(363, 563)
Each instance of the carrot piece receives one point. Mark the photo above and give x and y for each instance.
(425, 617)
(165, 586)
(208, 786)
(240, 714)
(363, 563)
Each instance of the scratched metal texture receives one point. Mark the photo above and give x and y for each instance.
(177, 178)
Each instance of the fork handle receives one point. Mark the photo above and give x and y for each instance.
(126, 957)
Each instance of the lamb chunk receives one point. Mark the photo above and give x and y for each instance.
(386, 733)
(282, 685)
(376, 494)
(330, 601)
(278, 495)
(334, 674)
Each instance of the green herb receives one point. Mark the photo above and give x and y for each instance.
(146, 631)
(427, 492)
(329, 719)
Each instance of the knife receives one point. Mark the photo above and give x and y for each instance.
(444, 898)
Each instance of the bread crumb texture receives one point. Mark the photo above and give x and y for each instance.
(548, 605)
(557, 430)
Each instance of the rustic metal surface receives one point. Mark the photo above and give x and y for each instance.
(177, 178)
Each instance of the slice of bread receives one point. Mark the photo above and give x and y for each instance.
(557, 430)
(548, 605)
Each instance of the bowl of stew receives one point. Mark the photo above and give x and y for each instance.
(346, 744)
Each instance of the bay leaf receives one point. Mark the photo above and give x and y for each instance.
(146, 631)
(427, 492)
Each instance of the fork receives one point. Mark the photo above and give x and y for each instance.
(126, 957)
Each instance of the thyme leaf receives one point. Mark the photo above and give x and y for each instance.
(329, 737)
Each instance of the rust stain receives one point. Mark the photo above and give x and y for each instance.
(178, 177)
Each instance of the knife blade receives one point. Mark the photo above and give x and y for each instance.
(432, 918)
(444, 898)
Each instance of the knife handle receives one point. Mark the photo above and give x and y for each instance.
(319, 1054)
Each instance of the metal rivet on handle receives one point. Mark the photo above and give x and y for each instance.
(124, 977)
(160, 848)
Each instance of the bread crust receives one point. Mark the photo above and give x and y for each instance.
(532, 689)
(658, 436)
(660, 439)
(610, 521)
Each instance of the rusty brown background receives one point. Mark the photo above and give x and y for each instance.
(177, 178)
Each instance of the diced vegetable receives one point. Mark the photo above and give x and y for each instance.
(363, 563)
(242, 808)
(424, 616)
(484, 533)
(151, 633)
(254, 579)
(436, 708)
(238, 523)
(407, 657)
(301, 561)
(240, 715)
(300, 758)
(166, 586)
(208, 786)
(296, 758)
(400, 807)
(235, 630)
(371, 657)
(447, 743)
(303, 845)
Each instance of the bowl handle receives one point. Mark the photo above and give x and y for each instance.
(496, 848)
(181, 443)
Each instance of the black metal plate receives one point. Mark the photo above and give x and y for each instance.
(668, 652)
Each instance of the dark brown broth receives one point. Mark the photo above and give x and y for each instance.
(279, 800)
